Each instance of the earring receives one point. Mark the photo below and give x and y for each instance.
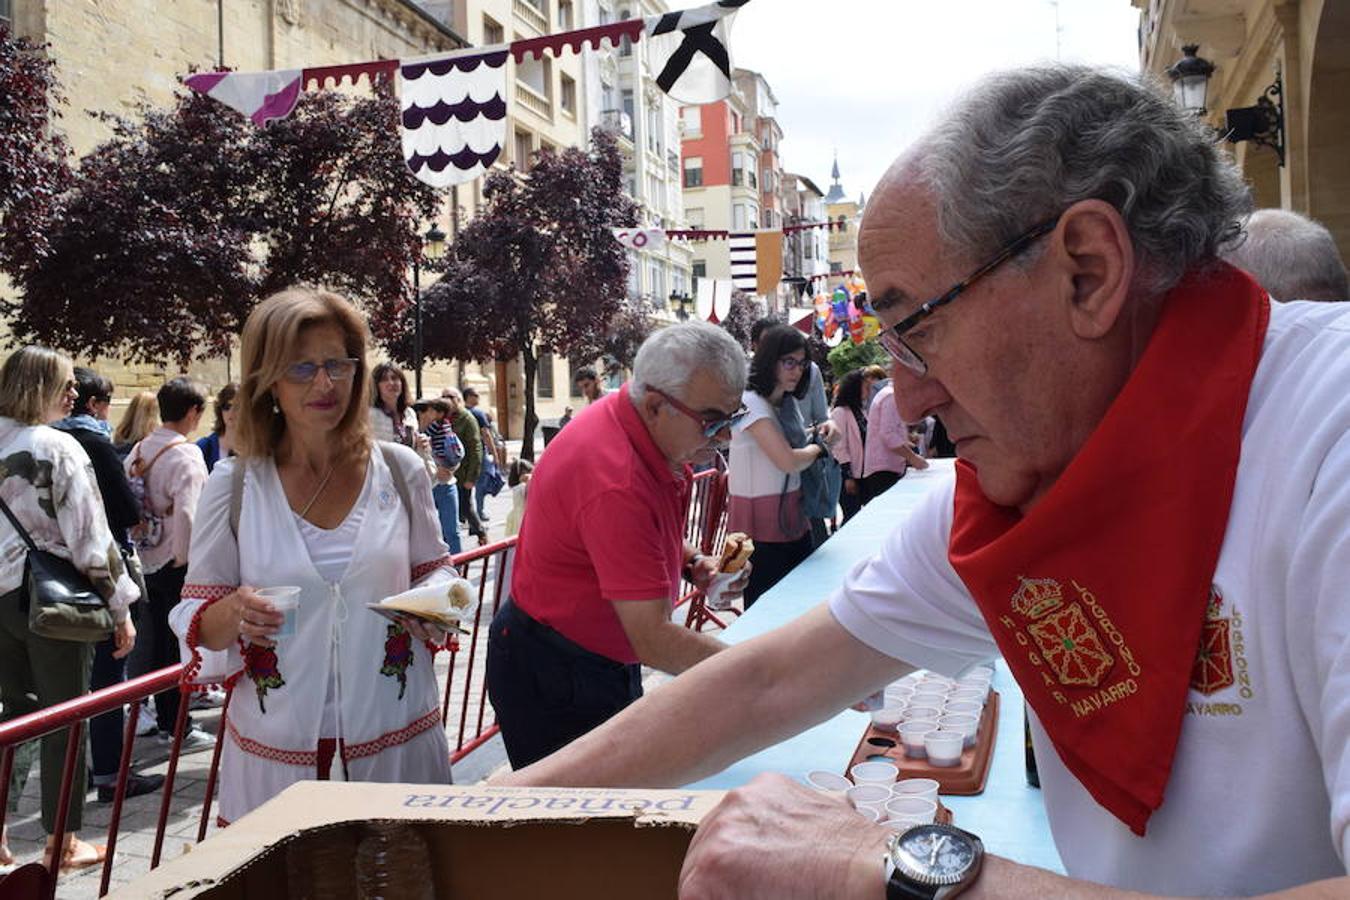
(276, 410)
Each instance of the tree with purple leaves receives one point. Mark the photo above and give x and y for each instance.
(538, 268)
(742, 313)
(174, 228)
(34, 158)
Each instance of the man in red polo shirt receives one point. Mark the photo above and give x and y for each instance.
(602, 546)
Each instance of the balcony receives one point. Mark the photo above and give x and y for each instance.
(617, 122)
(531, 15)
(530, 99)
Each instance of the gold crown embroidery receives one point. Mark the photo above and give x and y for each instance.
(1037, 597)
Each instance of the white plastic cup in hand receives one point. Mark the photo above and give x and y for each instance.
(925, 788)
(912, 807)
(888, 717)
(829, 782)
(873, 795)
(944, 748)
(962, 722)
(882, 773)
(287, 602)
(911, 736)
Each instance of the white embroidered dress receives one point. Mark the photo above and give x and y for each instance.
(388, 721)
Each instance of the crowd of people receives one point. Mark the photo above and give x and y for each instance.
(1120, 398)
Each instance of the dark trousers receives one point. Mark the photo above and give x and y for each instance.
(164, 588)
(105, 731)
(851, 503)
(878, 483)
(37, 672)
(771, 561)
(548, 691)
(467, 513)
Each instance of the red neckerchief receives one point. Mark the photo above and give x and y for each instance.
(1097, 596)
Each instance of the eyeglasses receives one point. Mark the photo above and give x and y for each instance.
(893, 338)
(337, 369)
(226, 407)
(792, 363)
(711, 426)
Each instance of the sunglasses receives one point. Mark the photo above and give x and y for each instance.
(712, 425)
(305, 372)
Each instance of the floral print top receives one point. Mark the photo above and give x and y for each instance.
(47, 481)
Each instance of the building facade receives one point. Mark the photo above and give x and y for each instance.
(1303, 44)
(846, 216)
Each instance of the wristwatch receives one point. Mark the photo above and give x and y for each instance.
(931, 862)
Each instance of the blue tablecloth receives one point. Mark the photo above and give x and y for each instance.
(1008, 816)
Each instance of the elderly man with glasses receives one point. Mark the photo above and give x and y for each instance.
(1129, 527)
(602, 546)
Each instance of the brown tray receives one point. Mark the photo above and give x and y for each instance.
(968, 777)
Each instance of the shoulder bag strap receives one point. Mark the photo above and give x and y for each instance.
(13, 520)
(400, 483)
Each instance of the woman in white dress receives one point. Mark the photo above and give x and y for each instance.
(321, 506)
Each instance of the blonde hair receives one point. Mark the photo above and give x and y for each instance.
(268, 346)
(32, 382)
(141, 418)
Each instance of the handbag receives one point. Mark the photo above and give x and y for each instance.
(821, 483)
(490, 480)
(62, 602)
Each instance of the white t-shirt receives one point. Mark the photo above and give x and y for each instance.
(1259, 795)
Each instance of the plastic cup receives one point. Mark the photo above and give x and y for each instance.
(943, 748)
(972, 695)
(969, 707)
(875, 773)
(962, 722)
(925, 788)
(870, 812)
(922, 712)
(287, 602)
(873, 795)
(888, 717)
(912, 807)
(898, 692)
(935, 678)
(829, 782)
(911, 736)
(904, 823)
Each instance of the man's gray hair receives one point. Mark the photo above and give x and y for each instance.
(669, 358)
(1025, 144)
(1292, 256)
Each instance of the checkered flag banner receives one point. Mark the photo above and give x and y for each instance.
(690, 52)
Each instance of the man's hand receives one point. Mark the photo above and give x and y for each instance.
(444, 473)
(776, 839)
(124, 638)
(829, 432)
(702, 571)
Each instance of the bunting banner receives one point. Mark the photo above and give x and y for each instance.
(641, 238)
(768, 261)
(713, 300)
(454, 114)
(690, 53)
(743, 273)
(262, 96)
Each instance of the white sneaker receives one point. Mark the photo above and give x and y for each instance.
(211, 698)
(194, 739)
(145, 722)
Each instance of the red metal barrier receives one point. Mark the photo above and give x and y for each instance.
(490, 566)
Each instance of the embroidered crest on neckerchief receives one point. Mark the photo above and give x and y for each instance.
(260, 663)
(398, 655)
(1068, 642)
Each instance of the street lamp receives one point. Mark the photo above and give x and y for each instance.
(1190, 79)
(681, 303)
(433, 248)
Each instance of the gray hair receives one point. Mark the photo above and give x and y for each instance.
(669, 358)
(1292, 256)
(1024, 145)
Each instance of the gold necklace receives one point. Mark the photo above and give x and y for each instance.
(322, 484)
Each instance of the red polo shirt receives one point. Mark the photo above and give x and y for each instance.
(604, 522)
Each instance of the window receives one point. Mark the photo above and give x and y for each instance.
(693, 171)
(656, 280)
(566, 16)
(568, 93)
(699, 268)
(695, 217)
(543, 387)
(692, 116)
(537, 75)
(654, 129)
(524, 146)
(738, 169)
(735, 123)
(740, 217)
(836, 267)
(492, 31)
(628, 109)
(573, 390)
(625, 42)
(6, 12)
(634, 288)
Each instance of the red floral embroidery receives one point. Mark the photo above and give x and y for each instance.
(398, 655)
(260, 663)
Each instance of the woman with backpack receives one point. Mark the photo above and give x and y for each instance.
(313, 504)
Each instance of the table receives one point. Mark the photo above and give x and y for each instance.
(1009, 816)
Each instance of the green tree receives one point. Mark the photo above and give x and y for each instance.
(849, 356)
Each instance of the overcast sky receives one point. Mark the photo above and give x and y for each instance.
(863, 77)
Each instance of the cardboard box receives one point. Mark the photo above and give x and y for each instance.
(484, 843)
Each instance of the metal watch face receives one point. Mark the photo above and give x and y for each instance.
(934, 854)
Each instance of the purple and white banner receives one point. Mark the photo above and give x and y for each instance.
(259, 95)
(454, 114)
(641, 238)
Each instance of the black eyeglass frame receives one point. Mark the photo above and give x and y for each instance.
(892, 339)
